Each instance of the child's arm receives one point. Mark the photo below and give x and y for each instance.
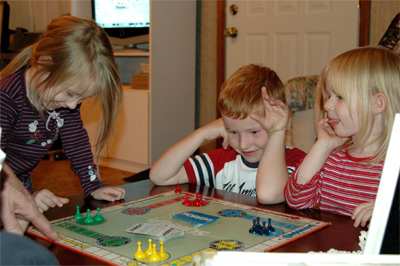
(272, 173)
(327, 141)
(45, 198)
(169, 170)
(363, 213)
(109, 193)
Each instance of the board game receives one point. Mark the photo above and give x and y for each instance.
(227, 226)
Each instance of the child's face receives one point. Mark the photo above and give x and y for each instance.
(246, 137)
(340, 120)
(68, 98)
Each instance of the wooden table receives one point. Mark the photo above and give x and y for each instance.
(341, 235)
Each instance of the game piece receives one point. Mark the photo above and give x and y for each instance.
(78, 214)
(264, 231)
(98, 218)
(178, 190)
(202, 202)
(149, 250)
(162, 253)
(270, 228)
(196, 201)
(88, 220)
(187, 202)
(253, 229)
(154, 257)
(139, 254)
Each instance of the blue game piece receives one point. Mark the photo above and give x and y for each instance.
(253, 228)
(270, 228)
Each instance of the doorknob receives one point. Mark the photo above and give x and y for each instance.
(233, 9)
(231, 32)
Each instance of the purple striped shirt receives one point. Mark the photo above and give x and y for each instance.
(26, 137)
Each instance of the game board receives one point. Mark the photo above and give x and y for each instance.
(110, 242)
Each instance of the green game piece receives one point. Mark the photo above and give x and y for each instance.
(78, 215)
(98, 218)
(88, 220)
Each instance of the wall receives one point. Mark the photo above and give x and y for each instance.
(382, 13)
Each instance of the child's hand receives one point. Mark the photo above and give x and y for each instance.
(109, 193)
(214, 130)
(328, 136)
(276, 114)
(45, 198)
(363, 213)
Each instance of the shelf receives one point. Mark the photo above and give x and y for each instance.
(132, 52)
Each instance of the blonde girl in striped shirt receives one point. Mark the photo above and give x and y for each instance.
(341, 173)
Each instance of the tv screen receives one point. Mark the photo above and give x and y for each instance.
(127, 20)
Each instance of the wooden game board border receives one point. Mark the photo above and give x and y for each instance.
(33, 231)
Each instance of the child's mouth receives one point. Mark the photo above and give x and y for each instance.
(248, 153)
(333, 122)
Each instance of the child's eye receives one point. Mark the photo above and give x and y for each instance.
(70, 94)
(232, 132)
(255, 132)
(339, 97)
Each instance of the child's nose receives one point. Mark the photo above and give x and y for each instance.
(72, 104)
(243, 143)
(328, 104)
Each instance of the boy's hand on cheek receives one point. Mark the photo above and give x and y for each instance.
(214, 130)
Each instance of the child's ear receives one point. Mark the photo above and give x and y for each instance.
(380, 103)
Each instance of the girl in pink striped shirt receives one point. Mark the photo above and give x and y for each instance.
(341, 173)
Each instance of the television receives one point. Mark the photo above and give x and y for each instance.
(127, 22)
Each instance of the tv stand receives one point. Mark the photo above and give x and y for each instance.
(131, 52)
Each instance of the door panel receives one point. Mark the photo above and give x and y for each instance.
(294, 38)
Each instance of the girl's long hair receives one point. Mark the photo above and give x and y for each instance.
(73, 50)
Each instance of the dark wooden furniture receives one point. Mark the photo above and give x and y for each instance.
(341, 235)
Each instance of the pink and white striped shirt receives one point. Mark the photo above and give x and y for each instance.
(339, 187)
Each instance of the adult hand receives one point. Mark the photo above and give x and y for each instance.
(18, 206)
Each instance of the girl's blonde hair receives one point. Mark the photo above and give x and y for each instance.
(363, 73)
(73, 50)
(241, 93)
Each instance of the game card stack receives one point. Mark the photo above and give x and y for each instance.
(159, 231)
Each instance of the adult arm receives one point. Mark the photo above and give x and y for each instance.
(18, 206)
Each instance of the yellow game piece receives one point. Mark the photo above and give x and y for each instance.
(154, 257)
(149, 250)
(139, 254)
(162, 253)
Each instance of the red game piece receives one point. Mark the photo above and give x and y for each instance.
(196, 202)
(178, 190)
(202, 202)
(187, 202)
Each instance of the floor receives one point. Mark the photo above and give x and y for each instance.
(58, 177)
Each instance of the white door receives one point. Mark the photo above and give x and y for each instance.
(294, 38)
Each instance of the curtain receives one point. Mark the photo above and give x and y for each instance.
(35, 15)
